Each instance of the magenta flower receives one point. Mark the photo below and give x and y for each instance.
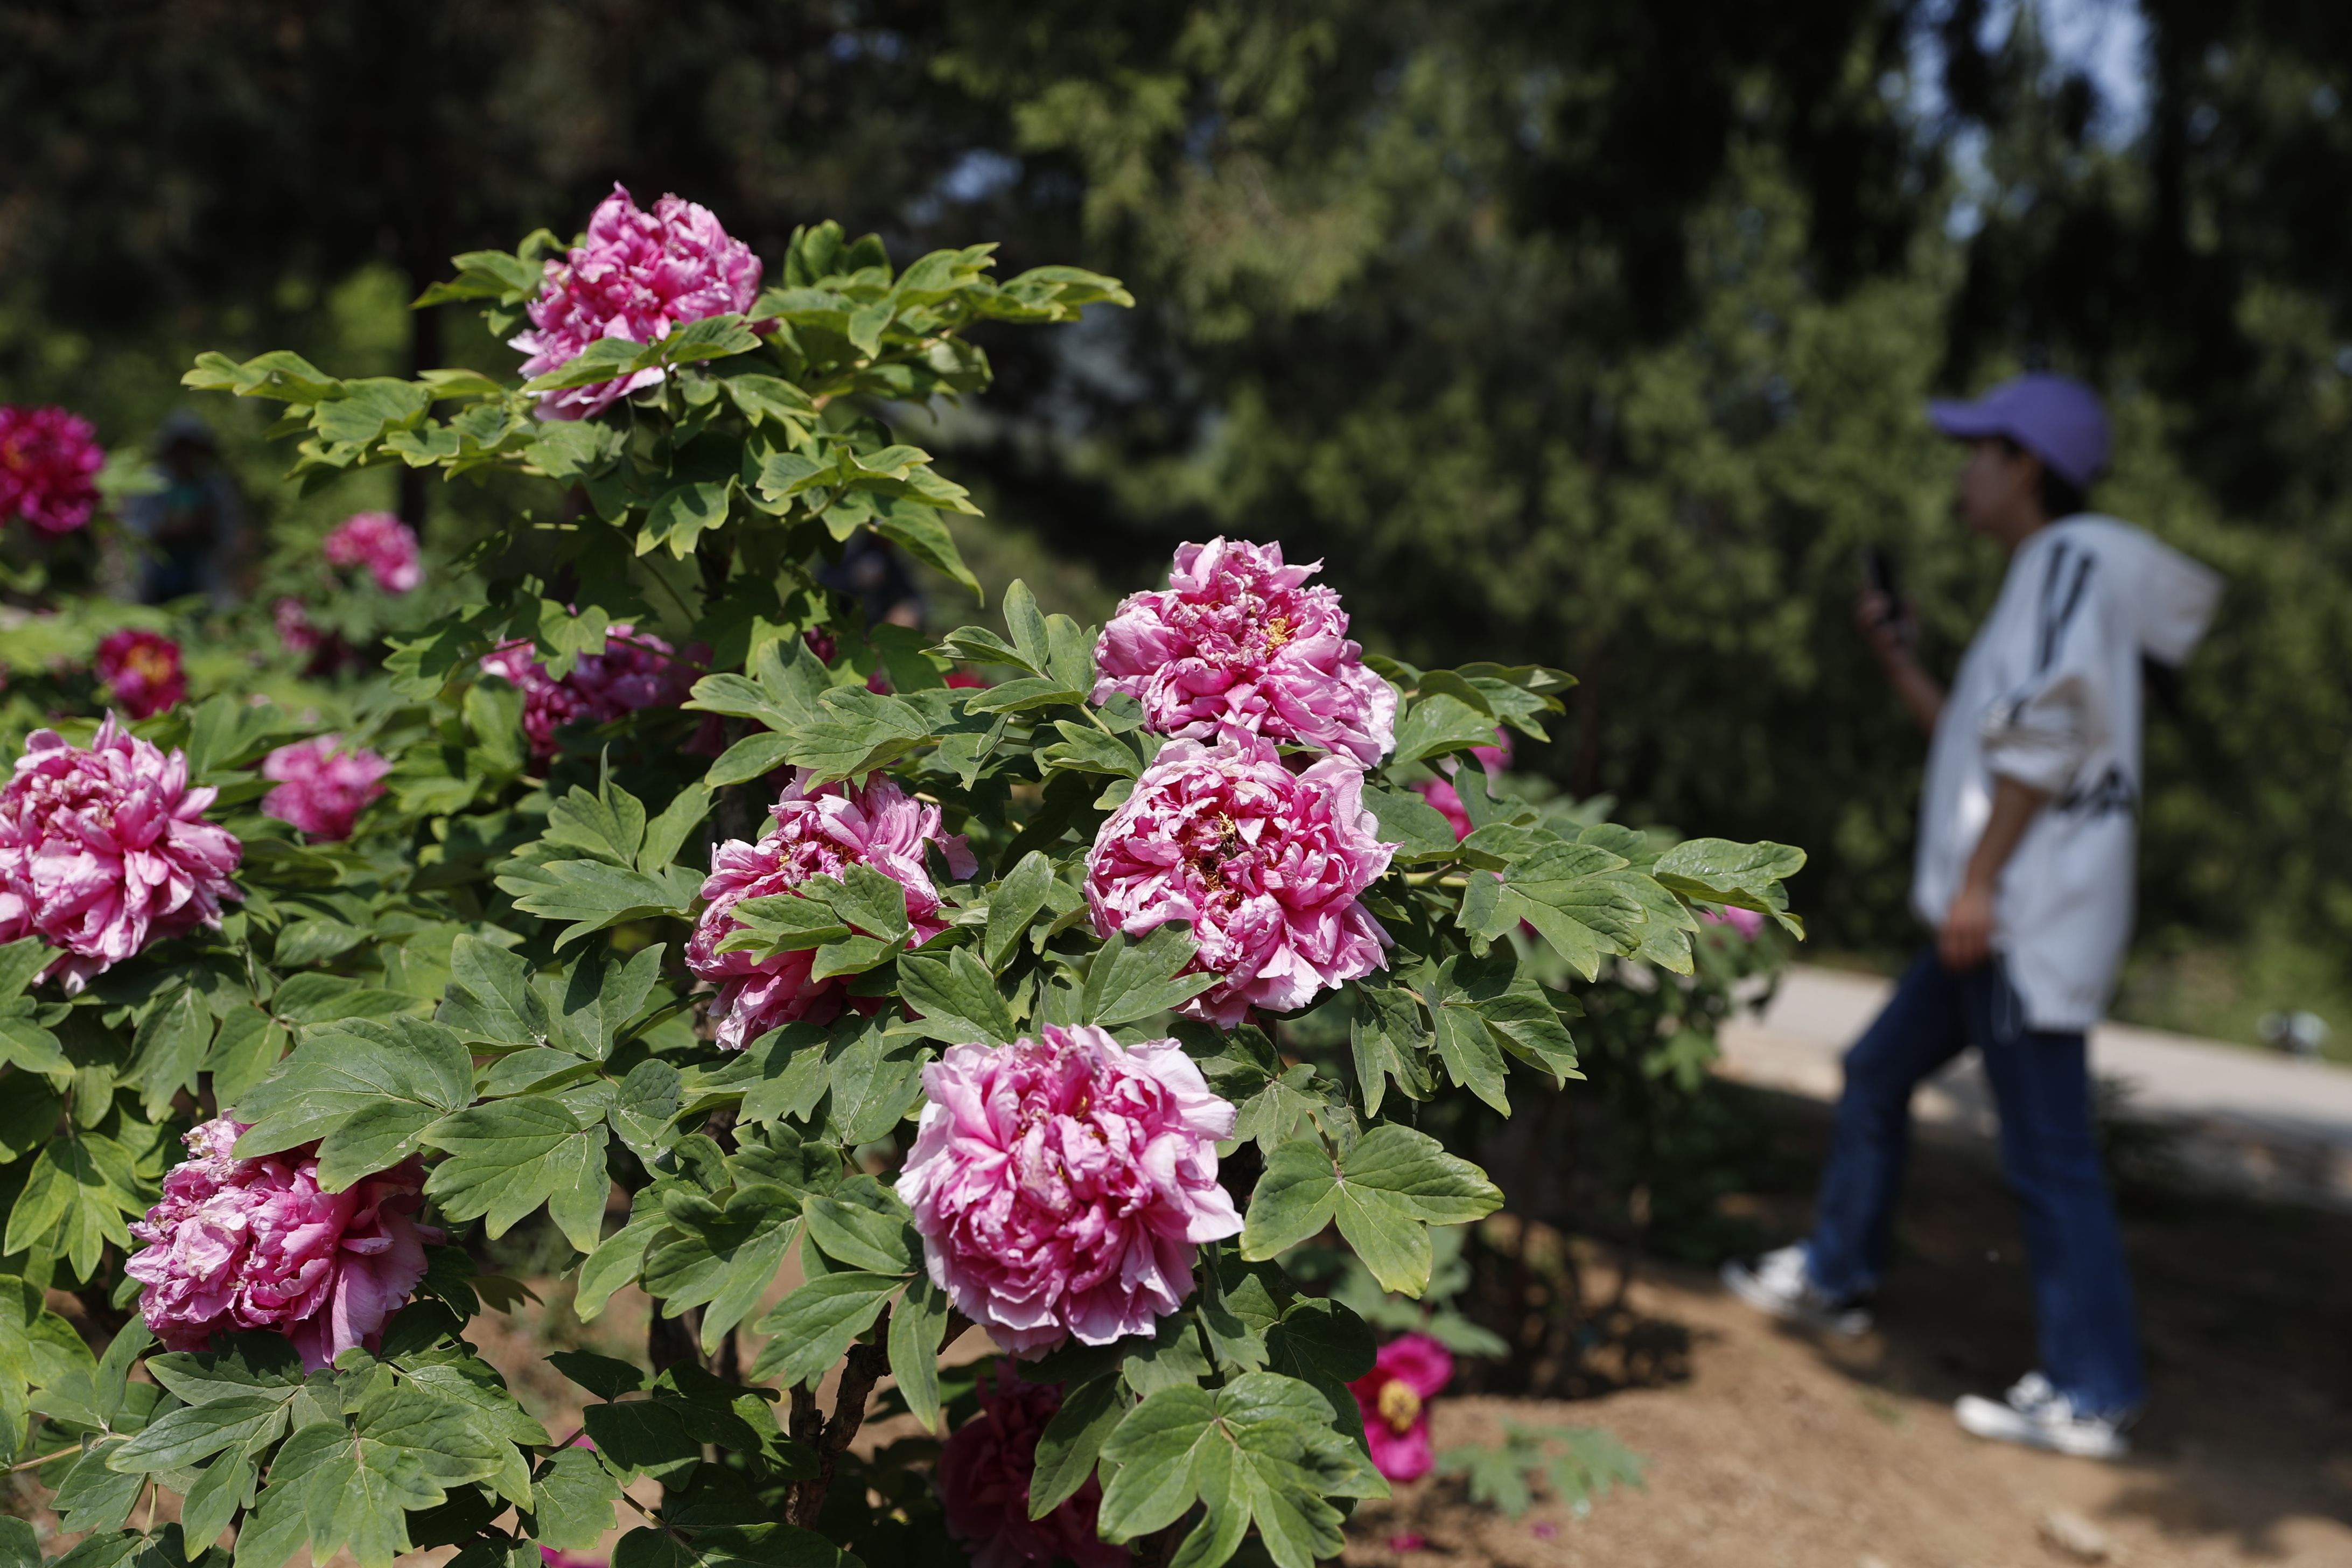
(105, 850)
(142, 671)
(1394, 1398)
(639, 275)
(637, 670)
(320, 790)
(380, 542)
(49, 461)
(983, 1478)
(254, 1244)
(295, 632)
(1748, 923)
(1062, 1185)
(1497, 757)
(818, 832)
(1237, 642)
(1268, 864)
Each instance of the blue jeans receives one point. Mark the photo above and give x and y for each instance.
(2042, 1083)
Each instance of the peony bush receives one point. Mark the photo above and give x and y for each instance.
(651, 902)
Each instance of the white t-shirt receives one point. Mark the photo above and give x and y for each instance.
(2049, 694)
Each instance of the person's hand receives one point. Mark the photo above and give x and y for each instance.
(1965, 941)
(1887, 625)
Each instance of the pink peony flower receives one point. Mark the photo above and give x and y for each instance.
(1497, 757)
(380, 542)
(1407, 1540)
(639, 275)
(295, 632)
(141, 670)
(1061, 1185)
(818, 832)
(1441, 793)
(254, 1244)
(1238, 642)
(1268, 864)
(983, 1478)
(105, 850)
(1394, 1398)
(1748, 923)
(637, 670)
(320, 790)
(49, 461)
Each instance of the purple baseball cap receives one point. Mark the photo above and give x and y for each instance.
(2055, 417)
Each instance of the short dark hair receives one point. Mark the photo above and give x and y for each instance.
(2060, 496)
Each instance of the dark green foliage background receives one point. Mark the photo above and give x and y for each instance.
(1593, 335)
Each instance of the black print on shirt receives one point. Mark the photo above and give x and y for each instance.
(2113, 793)
(2061, 598)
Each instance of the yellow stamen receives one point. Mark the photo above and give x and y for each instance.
(1399, 1408)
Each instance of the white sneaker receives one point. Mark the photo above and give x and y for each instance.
(1780, 1283)
(2038, 1416)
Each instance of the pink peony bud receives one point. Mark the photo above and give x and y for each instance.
(1497, 757)
(320, 790)
(254, 1244)
(49, 460)
(1238, 643)
(1268, 864)
(639, 275)
(1394, 1399)
(818, 832)
(1748, 923)
(984, 1477)
(1061, 1185)
(1441, 793)
(295, 632)
(141, 670)
(637, 670)
(380, 542)
(105, 850)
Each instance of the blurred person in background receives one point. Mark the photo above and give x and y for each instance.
(871, 571)
(192, 524)
(2024, 871)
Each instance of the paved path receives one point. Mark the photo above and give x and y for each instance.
(2268, 1123)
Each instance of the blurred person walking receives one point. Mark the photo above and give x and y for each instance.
(191, 523)
(2025, 870)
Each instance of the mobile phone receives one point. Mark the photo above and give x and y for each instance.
(1878, 571)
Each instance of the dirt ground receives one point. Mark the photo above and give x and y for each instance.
(1765, 1447)
(1775, 1447)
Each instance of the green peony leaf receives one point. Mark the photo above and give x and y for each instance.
(1072, 1442)
(957, 997)
(489, 1000)
(1391, 1186)
(509, 1157)
(571, 1501)
(812, 1327)
(720, 1258)
(917, 1328)
(366, 1089)
(1716, 870)
(1128, 981)
(1013, 903)
(1261, 1450)
(864, 1224)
